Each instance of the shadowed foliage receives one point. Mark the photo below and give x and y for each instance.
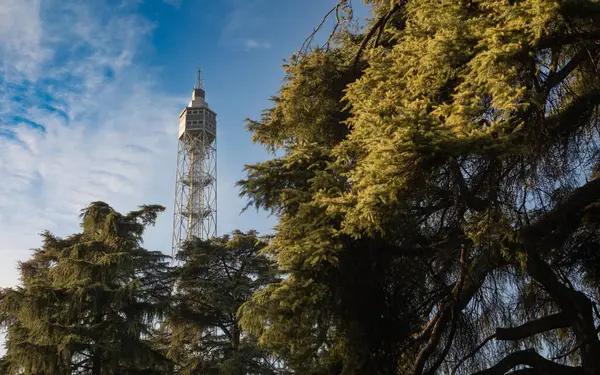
(87, 304)
(214, 278)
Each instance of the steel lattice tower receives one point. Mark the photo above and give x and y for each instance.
(196, 178)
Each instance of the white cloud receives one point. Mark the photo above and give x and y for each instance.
(82, 119)
(21, 32)
(245, 18)
(108, 133)
(254, 44)
(175, 3)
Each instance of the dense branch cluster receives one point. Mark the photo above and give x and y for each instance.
(437, 194)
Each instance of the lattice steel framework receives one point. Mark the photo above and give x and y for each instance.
(196, 178)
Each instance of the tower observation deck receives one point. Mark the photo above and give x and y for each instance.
(195, 210)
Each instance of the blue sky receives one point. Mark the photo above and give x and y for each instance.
(90, 93)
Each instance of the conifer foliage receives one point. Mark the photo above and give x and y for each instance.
(87, 304)
(437, 192)
(214, 278)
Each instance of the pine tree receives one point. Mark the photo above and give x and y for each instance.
(437, 192)
(215, 277)
(87, 304)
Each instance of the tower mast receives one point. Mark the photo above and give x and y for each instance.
(199, 78)
(195, 209)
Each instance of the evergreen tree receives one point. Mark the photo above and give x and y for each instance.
(216, 276)
(87, 304)
(437, 192)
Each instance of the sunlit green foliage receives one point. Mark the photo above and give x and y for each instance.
(436, 184)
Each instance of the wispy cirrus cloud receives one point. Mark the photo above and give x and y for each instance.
(175, 3)
(21, 36)
(254, 44)
(241, 24)
(80, 120)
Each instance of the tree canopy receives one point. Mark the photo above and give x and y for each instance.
(437, 192)
(214, 278)
(87, 304)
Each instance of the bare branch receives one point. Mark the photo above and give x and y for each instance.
(555, 226)
(530, 358)
(477, 349)
(567, 353)
(310, 38)
(461, 295)
(551, 225)
(565, 40)
(552, 230)
(442, 356)
(575, 115)
(341, 5)
(557, 77)
(436, 334)
(534, 327)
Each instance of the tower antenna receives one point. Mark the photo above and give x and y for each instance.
(199, 78)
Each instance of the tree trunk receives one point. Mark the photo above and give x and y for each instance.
(97, 351)
(97, 362)
(235, 333)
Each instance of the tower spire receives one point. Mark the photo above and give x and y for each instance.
(199, 78)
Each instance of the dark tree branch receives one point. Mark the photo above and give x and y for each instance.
(477, 349)
(341, 5)
(565, 40)
(380, 24)
(308, 41)
(575, 115)
(573, 303)
(426, 331)
(557, 77)
(442, 356)
(226, 331)
(226, 268)
(555, 226)
(464, 290)
(434, 338)
(534, 327)
(550, 231)
(530, 358)
(567, 353)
